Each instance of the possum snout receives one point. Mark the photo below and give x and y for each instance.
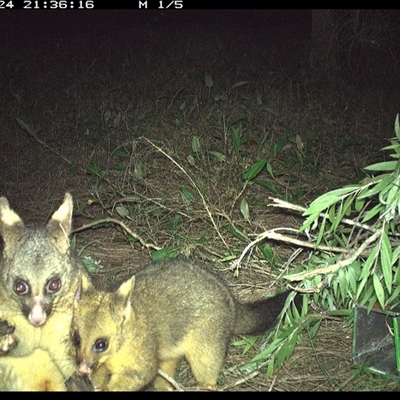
(84, 367)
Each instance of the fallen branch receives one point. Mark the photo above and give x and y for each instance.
(122, 225)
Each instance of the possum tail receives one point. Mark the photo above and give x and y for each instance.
(258, 316)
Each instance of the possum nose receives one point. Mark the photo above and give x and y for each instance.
(37, 316)
(84, 368)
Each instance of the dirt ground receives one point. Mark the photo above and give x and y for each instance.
(106, 105)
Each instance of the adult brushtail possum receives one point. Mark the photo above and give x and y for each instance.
(39, 276)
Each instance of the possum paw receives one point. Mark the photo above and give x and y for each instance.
(7, 341)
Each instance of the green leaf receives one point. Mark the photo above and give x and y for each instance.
(219, 156)
(338, 218)
(196, 146)
(369, 263)
(94, 169)
(347, 206)
(277, 147)
(381, 181)
(238, 84)
(290, 346)
(352, 276)
(236, 140)
(382, 166)
(360, 288)
(121, 152)
(261, 142)
(269, 169)
(343, 283)
(391, 197)
(188, 195)
(304, 308)
(268, 253)
(208, 81)
(321, 231)
(371, 213)
(164, 254)
(244, 209)
(397, 127)
(91, 265)
(191, 160)
(380, 293)
(271, 111)
(394, 296)
(359, 204)
(263, 355)
(292, 310)
(300, 144)
(254, 170)
(309, 221)
(247, 342)
(332, 213)
(386, 261)
(396, 279)
(280, 355)
(236, 233)
(328, 199)
(23, 124)
(314, 329)
(341, 240)
(395, 255)
(268, 185)
(270, 369)
(369, 296)
(122, 211)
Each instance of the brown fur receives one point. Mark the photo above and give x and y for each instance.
(38, 259)
(167, 311)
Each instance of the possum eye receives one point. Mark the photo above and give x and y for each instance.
(21, 287)
(100, 345)
(53, 285)
(76, 339)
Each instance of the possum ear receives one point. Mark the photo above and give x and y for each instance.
(126, 287)
(8, 217)
(83, 285)
(11, 226)
(59, 226)
(125, 294)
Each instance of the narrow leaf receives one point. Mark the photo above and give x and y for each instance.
(382, 166)
(381, 182)
(164, 254)
(369, 263)
(254, 169)
(238, 84)
(196, 146)
(380, 293)
(188, 195)
(321, 231)
(244, 209)
(386, 261)
(219, 156)
(327, 199)
(371, 213)
(208, 80)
